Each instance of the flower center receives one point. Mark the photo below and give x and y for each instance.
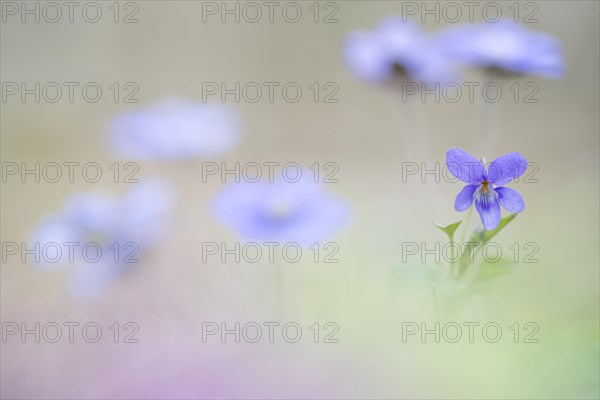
(485, 193)
(97, 237)
(399, 70)
(280, 211)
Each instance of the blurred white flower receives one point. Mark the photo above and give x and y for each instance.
(115, 230)
(176, 129)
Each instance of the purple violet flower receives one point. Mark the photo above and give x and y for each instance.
(300, 212)
(505, 45)
(176, 129)
(396, 49)
(485, 185)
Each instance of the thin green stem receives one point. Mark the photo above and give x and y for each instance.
(279, 282)
(477, 250)
(466, 225)
(455, 268)
(436, 300)
(406, 131)
(452, 254)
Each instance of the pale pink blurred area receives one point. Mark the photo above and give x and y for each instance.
(170, 295)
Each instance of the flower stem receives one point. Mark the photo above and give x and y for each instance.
(467, 221)
(279, 282)
(466, 225)
(406, 130)
(436, 300)
(415, 139)
(420, 128)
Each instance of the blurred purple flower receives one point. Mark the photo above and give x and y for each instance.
(485, 184)
(120, 228)
(176, 129)
(396, 49)
(282, 211)
(505, 45)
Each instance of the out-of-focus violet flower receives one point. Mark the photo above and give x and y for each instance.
(102, 236)
(396, 49)
(485, 185)
(176, 129)
(301, 212)
(505, 45)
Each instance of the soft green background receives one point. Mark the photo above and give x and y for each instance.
(170, 52)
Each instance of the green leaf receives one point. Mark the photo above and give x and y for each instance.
(449, 229)
(422, 276)
(480, 237)
(485, 236)
(489, 271)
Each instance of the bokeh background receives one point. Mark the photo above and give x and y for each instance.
(170, 52)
